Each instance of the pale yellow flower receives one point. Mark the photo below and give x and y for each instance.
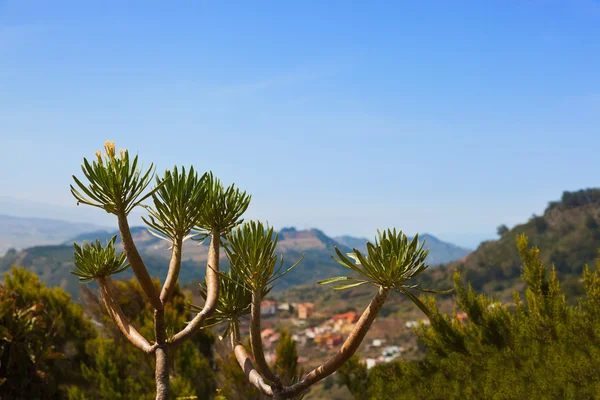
(99, 155)
(122, 153)
(110, 148)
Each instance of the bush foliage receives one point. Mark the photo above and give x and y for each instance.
(537, 347)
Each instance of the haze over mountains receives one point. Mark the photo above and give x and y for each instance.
(19, 232)
(54, 262)
(70, 212)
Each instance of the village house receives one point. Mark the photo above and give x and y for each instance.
(330, 340)
(305, 310)
(344, 323)
(269, 336)
(334, 340)
(268, 308)
(351, 317)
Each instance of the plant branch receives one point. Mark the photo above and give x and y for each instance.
(243, 359)
(173, 274)
(256, 341)
(136, 262)
(345, 352)
(114, 310)
(212, 291)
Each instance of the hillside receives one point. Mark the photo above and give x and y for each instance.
(567, 234)
(20, 233)
(53, 263)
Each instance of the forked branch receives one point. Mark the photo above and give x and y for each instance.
(173, 274)
(114, 310)
(243, 359)
(347, 350)
(212, 291)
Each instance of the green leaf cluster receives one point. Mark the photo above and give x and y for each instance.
(233, 303)
(251, 253)
(179, 202)
(93, 261)
(390, 263)
(116, 183)
(223, 207)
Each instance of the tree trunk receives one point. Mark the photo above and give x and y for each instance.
(162, 365)
(162, 374)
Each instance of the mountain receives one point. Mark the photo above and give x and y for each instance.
(20, 232)
(53, 263)
(567, 235)
(439, 252)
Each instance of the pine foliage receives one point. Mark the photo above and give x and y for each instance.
(537, 347)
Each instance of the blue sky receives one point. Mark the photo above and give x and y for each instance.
(441, 117)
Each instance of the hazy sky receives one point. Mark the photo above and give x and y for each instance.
(441, 117)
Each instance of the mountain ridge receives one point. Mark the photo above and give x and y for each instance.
(54, 263)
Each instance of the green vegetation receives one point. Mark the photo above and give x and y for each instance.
(354, 376)
(42, 338)
(117, 371)
(50, 349)
(286, 362)
(539, 347)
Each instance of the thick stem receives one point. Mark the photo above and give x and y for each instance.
(162, 365)
(256, 342)
(212, 291)
(137, 264)
(346, 351)
(114, 310)
(173, 274)
(245, 363)
(162, 374)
